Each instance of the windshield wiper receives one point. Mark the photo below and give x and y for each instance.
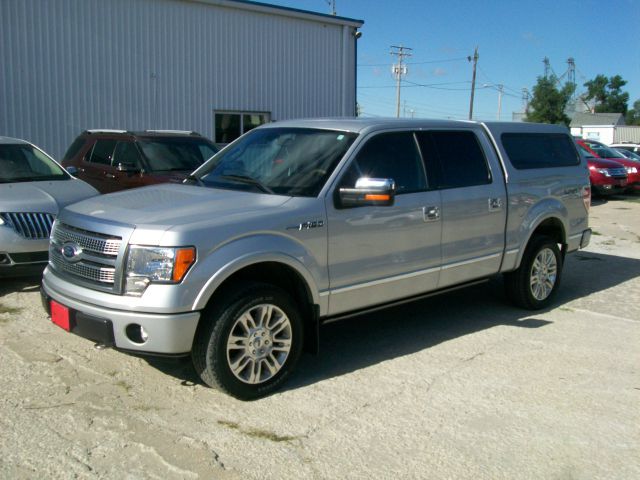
(249, 181)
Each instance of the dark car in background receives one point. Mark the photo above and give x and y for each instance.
(113, 160)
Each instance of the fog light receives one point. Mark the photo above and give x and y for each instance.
(136, 333)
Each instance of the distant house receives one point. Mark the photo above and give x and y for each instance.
(597, 126)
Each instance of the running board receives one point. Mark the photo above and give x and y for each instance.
(395, 303)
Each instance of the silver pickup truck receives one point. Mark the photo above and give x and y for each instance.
(302, 222)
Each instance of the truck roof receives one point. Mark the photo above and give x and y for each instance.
(360, 125)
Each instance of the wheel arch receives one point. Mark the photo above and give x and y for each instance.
(550, 226)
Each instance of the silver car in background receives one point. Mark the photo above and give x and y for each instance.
(33, 189)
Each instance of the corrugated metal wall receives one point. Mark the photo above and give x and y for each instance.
(69, 65)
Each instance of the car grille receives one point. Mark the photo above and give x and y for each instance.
(618, 172)
(97, 262)
(32, 226)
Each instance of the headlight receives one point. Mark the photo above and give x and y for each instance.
(147, 265)
(632, 170)
(604, 171)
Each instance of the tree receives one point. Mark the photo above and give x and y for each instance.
(608, 94)
(633, 115)
(549, 102)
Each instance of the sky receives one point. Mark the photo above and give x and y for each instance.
(513, 37)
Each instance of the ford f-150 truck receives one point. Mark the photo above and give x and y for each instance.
(302, 222)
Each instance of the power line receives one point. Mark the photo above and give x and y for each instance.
(413, 63)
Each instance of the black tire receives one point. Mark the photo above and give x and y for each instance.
(534, 284)
(237, 312)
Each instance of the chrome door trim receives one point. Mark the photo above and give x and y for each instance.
(473, 260)
(385, 280)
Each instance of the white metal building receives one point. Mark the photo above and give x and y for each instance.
(218, 67)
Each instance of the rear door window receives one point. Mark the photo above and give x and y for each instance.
(453, 159)
(539, 150)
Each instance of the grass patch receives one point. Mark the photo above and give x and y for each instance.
(10, 310)
(257, 433)
(124, 385)
(595, 232)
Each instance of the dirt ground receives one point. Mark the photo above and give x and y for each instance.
(460, 386)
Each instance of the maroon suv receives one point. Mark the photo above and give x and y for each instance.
(113, 160)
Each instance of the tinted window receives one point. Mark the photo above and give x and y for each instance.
(172, 154)
(539, 150)
(23, 163)
(74, 148)
(389, 155)
(127, 154)
(102, 152)
(453, 159)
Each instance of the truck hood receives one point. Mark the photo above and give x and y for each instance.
(43, 197)
(172, 205)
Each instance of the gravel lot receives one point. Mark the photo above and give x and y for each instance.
(459, 386)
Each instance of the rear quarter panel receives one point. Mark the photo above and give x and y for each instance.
(539, 194)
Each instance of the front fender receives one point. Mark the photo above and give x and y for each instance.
(228, 259)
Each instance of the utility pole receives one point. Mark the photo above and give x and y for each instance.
(525, 99)
(547, 66)
(399, 70)
(332, 4)
(473, 81)
(500, 91)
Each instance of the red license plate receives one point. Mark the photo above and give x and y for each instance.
(60, 315)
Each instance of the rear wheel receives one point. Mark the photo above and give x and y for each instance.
(534, 284)
(250, 342)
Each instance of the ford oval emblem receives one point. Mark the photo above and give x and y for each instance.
(71, 252)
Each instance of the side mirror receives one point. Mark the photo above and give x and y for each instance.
(368, 191)
(72, 171)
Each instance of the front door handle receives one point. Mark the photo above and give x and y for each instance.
(110, 176)
(430, 214)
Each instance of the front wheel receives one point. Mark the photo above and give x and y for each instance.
(534, 284)
(249, 343)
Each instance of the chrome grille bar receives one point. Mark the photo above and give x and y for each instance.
(91, 241)
(29, 225)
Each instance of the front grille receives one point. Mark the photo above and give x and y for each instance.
(96, 263)
(88, 271)
(32, 226)
(618, 172)
(92, 241)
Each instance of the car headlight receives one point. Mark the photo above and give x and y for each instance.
(632, 170)
(146, 265)
(604, 171)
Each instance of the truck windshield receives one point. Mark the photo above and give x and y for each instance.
(283, 161)
(24, 163)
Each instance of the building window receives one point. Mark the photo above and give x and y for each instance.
(230, 125)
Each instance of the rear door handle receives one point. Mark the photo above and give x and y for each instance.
(110, 176)
(430, 214)
(495, 204)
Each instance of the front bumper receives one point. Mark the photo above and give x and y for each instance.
(168, 334)
(22, 264)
